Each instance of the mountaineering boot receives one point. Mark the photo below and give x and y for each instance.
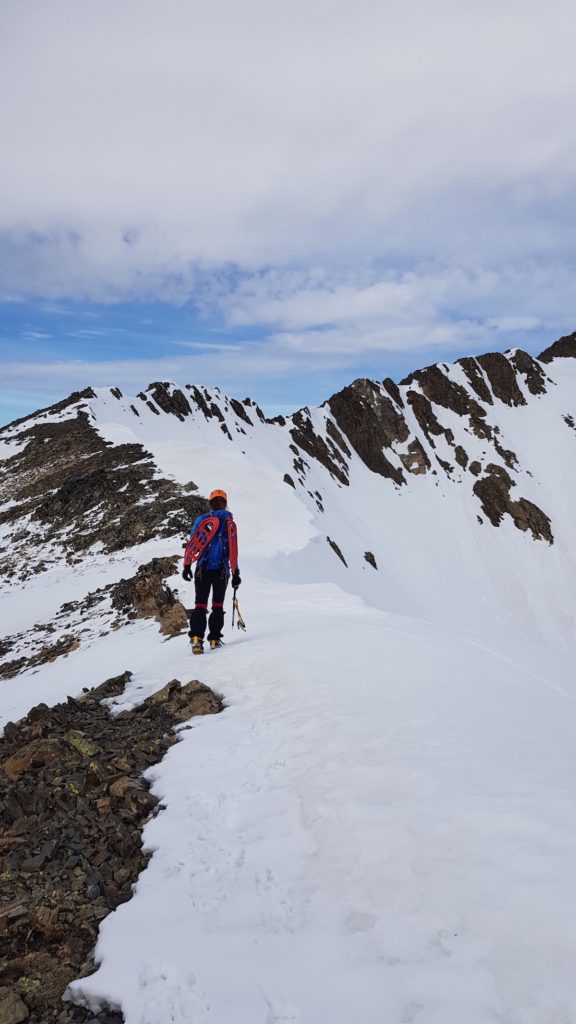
(197, 645)
(215, 644)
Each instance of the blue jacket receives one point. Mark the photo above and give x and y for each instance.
(215, 556)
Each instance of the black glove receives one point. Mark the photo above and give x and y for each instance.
(187, 573)
(236, 581)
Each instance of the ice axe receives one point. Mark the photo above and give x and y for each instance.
(236, 611)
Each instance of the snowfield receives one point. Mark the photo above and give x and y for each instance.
(381, 825)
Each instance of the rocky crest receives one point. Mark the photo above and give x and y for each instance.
(72, 807)
(66, 489)
(409, 429)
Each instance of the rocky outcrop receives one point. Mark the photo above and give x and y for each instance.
(370, 421)
(337, 551)
(170, 399)
(72, 807)
(414, 459)
(494, 492)
(146, 596)
(67, 490)
(564, 348)
(327, 453)
(502, 378)
(534, 376)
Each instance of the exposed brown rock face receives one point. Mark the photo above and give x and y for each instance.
(170, 400)
(71, 489)
(502, 378)
(564, 348)
(240, 411)
(439, 389)
(326, 453)
(531, 370)
(477, 381)
(370, 421)
(147, 596)
(415, 459)
(425, 415)
(494, 493)
(72, 807)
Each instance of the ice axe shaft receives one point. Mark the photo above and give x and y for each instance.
(236, 611)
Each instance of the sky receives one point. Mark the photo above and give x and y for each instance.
(277, 198)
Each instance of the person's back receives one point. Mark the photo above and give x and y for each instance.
(216, 554)
(212, 573)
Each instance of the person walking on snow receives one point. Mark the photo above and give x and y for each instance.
(212, 573)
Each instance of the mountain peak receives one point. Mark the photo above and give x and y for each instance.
(564, 348)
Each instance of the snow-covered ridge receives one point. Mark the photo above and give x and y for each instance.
(380, 470)
(380, 824)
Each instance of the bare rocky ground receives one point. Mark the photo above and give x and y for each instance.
(72, 807)
(66, 490)
(144, 595)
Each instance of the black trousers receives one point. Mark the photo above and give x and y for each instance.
(204, 581)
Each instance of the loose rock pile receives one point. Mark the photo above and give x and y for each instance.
(72, 807)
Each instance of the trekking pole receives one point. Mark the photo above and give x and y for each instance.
(233, 605)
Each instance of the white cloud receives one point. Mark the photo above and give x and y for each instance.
(146, 144)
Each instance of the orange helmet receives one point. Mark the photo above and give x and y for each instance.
(218, 494)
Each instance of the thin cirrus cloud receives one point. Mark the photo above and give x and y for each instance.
(340, 178)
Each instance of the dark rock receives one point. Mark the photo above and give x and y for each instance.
(335, 436)
(79, 491)
(564, 348)
(111, 688)
(493, 490)
(415, 459)
(170, 399)
(241, 413)
(147, 596)
(288, 480)
(370, 559)
(502, 378)
(531, 371)
(427, 420)
(476, 378)
(370, 421)
(327, 454)
(438, 388)
(393, 390)
(461, 456)
(337, 550)
(71, 852)
(76, 398)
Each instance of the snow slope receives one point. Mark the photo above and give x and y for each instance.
(380, 825)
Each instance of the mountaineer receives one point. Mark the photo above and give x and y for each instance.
(212, 544)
